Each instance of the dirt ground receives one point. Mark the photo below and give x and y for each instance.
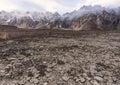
(89, 59)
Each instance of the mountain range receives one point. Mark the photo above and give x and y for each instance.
(85, 18)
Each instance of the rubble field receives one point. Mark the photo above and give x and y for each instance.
(88, 59)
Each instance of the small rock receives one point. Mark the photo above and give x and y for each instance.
(46, 83)
(98, 78)
(44, 62)
(76, 79)
(49, 69)
(2, 71)
(28, 78)
(82, 80)
(94, 82)
(36, 75)
(11, 59)
(65, 78)
(60, 62)
(52, 65)
(31, 54)
(48, 75)
(10, 41)
(2, 82)
(28, 83)
(36, 81)
(21, 83)
(41, 46)
(30, 74)
(114, 79)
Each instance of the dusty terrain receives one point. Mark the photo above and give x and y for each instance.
(88, 59)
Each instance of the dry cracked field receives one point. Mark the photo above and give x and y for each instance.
(89, 59)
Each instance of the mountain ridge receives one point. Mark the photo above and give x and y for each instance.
(85, 18)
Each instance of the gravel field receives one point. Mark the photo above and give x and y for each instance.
(89, 59)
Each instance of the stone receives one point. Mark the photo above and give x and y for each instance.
(28, 83)
(36, 75)
(94, 82)
(11, 59)
(2, 71)
(21, 82)
(46, 83)
(34, 80)
(44, 62)
(65, 78)
(114, 79)
(28, 78)
(10, 41)
(52, 65)
(98, 78)
(49, 69)
(82, 80)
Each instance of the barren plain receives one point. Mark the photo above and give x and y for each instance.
(83, 59)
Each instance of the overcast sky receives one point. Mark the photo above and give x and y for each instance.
(60, 6)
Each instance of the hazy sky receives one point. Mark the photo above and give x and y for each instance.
(53, 5)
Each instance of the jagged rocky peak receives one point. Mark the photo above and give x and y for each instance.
(92, 18)
(102, 21)
(86, 18)
(84, 10)
(94, 8)
(27, 19)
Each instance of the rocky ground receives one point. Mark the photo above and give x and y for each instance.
(85, 60)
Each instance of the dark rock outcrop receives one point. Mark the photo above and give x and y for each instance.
(102, 21)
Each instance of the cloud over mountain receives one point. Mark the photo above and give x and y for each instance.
(61, 6)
